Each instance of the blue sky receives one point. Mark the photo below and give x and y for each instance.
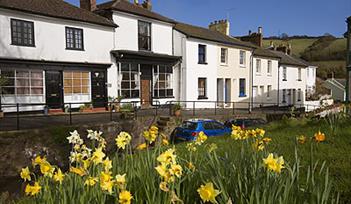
(294, 17)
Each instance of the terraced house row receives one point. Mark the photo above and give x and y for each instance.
(55, 53)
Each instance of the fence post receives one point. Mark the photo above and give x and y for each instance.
(233, 108)
(70, 114)
(193, 108)
(215, 107)
(18, 121)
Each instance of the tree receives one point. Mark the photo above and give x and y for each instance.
(284, 36)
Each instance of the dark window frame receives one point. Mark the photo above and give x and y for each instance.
(242, 92)
(74, 43)
(148, 37)
(202, 58)
(22, 22)
(204, 91)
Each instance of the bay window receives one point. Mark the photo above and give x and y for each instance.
(76, 83)
(129, 80)
(162, 81)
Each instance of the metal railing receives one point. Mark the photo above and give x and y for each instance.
(38, 115)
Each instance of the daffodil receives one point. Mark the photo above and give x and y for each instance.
(79, 171)
(319, 137)
(32, 190)
(191, 166)
(86, 163)
(260, 132)
(163, 186)
(141, 146)
(98, 156)
(74, 138)
(106, 183)
(107, 163)
(201, 138)
(125, 197)
(274, 164)
(25, 174)
(168, 157)
(38, 160)
(176, 170)
(90, 181)
(94, 135)
(212, 147)
(123, 139)
(121, 180)
(258, 145)
(302, 139)
(267, 140)
(191, 147)
(165, 142)
(208, 193)
(58, 176)
(46, 169)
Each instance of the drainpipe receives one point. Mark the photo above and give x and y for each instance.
(251, 81)
(278, 91)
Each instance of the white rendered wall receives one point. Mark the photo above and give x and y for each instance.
(264, 79)
(127, 33)
(292, 81)
(50, 40)
(311, 73)
(234, 71)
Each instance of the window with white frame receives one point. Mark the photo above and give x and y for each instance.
(22, 82)
(129, 80)
(201, 88)
(76, 83)
(242, 58)
(269, 90)
(269, 67)
(162, 81)
(258, 66)
(284, 74)
(299, 74)
(224, 56)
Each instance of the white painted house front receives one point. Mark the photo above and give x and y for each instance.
(292, 80)
(311, 77)
(144, 65)
(265, 78)
(52, 56)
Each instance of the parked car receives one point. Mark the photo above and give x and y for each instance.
(190, 129)
(244, 123)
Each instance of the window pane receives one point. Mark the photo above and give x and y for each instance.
(76, 89)
(67, 82)
(77, 82)
(85, 75)
(85, 90)
(85, 82)
(8, 90)
(8, 73)
(125, 85)
(23, 91)
(124, 67)
(22, 74)
(37, 74)
(22, 82)
(37, 82)
(125, 93)
(77, 75)
(37, 91)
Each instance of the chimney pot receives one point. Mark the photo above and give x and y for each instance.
(260, 30)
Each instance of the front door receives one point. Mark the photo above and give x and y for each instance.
(146, 78)
(53, 83)
(98, 88)
(145, 92)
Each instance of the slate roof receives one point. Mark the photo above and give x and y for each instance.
(261, 52)
(207, 34)
(56, 9)
(289, 60)
(128, 7)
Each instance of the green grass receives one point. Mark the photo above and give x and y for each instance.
(298, 45)
(235, 168)
(335, 150)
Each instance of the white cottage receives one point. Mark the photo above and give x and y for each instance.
(144, 65)
(49, 53)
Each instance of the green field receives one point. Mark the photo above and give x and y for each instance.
(298, 45)
(313, 172)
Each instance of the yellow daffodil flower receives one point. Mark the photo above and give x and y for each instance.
(25, 174)
(274, 164)
(208, 193)
(123, 139)
(165, 142)
(58, 176)
(98, 156)
(32, 190)
(125, 197)
(141, 146)
(176, 170)
(258, 145)
(79, 171)
(46, 169)
(201, 138)
(168, 157)
(91, 181)
(38, 160)
(107, 163)
(191, 166)
(191, 147)
(163, 186)
(121, 180)
(302, 139)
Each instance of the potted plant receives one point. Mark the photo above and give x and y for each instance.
(177, 109)
(115, 103)
(86, 108)
(127, 111)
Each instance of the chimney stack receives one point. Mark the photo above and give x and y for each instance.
(260, 30)
(89, 5)
(147, 4)
(222, 26)
(255, 38)
(136, 2)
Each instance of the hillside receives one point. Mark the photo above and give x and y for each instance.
(328, 52)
